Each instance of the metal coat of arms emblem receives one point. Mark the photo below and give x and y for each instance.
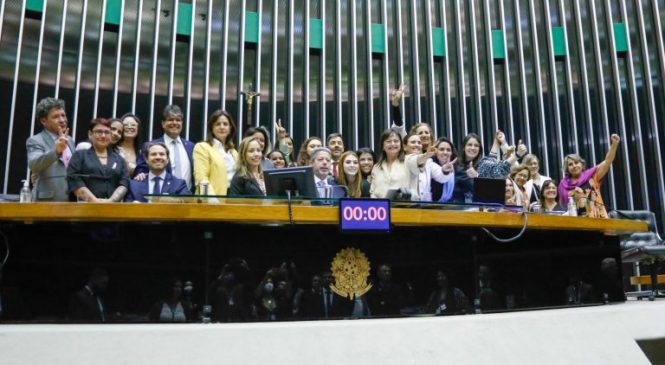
(350, 268)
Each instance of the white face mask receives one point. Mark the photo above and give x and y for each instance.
(268, 287)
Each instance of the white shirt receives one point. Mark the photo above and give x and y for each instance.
(231, 166)
(528, 187)
(184, 171)
(401, 175)
(151, 182)
(431, 170)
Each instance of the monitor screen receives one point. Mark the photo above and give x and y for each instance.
(298, 180)
(489, 191)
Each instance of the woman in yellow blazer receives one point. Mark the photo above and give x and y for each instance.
(215, 159)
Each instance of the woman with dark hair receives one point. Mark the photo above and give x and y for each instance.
(549, 198)
(429, 170)
(351, 177)
(583, 185)
(215, 159)
(130, 143)
(277, 158)
(467, 163)
(98, 174)
(445, 154)
(248, 180)
(366, 161)
(446, 299)
(306, 149)
(172, 309)
(395, 169)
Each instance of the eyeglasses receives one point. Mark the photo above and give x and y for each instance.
(100, 132)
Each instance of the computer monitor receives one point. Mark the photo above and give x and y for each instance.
(298, 180)
(489, 191)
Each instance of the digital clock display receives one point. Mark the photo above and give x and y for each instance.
(364, 215)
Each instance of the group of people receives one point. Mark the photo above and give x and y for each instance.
(112, 166)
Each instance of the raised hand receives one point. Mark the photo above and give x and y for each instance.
(521, 149)
(396, 95)
(281, 131)
(61, 142)
(615, 138)
(500, 137)
(449, 166)
(471, 171)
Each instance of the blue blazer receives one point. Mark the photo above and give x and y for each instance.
(142, 165)
(171, 186)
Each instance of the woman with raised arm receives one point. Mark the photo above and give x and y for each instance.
(445, 155)
(583, 184)
(395, 169)
(429, 171)
(215, 159)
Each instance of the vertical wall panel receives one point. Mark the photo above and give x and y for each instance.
(562, 104)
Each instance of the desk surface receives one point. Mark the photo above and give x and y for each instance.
(267, 211)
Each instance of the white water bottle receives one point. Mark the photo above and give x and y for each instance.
(572, 208)
(25, 196)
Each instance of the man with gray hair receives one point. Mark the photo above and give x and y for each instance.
(49, 152)
(326, 185)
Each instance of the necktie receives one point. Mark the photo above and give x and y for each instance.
(66, 156)
(321, 188)
(157, 189)
(176, 159)
(334, 168)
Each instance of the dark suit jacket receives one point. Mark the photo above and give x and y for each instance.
(313, 306)
(51, 183)
(142, 165)
(85, 170)
(83, 307)
(170, 186)
(244, 186)
(338, 190)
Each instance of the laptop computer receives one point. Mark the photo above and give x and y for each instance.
(486, 190)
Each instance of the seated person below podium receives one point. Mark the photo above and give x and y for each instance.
(326, 185)
(159, 182)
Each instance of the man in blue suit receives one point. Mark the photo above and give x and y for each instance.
(326, 185)
(158, 181)
(180, 150)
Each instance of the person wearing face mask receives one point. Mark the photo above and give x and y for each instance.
(584, 184)
(248, 180)
(352, 178)
(429, 171)
(215, 159)
(181, 150)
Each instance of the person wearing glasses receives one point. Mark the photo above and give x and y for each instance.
(98, 174)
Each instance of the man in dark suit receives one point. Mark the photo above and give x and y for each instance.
(86, 305)
(322, 302)
(181, 164)
(158, 182)
(326, 185)
(49, 152)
